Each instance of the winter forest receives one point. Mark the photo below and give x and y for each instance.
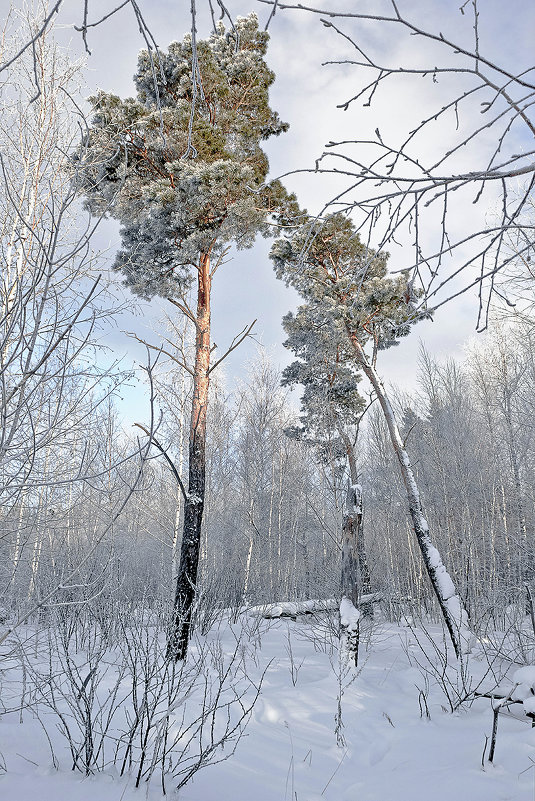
(267, 381)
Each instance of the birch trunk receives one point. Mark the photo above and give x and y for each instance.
(249, 554)
(450, 603)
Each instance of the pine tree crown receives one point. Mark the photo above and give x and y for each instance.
(181, 165)
(346, 285)
(347, 291)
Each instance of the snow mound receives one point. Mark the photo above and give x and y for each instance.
(525, 676)
(349, 614)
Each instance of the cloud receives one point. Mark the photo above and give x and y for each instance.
(308, 93)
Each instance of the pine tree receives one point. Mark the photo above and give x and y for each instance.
(182, 168)
(353, 301)
(331, 410)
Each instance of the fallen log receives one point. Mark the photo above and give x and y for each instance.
(293, 609)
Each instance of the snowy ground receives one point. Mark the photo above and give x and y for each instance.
(388, 749)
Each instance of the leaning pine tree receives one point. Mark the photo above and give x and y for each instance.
(182, 168)
(350, 297)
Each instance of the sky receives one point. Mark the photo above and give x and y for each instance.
(306, 94)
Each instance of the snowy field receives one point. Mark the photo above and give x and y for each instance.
(392, 737)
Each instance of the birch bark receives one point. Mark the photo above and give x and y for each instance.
(449, 601)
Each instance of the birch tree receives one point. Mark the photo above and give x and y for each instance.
(55, 381)
(51, 299)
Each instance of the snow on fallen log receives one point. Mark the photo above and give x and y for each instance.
(295, 608)
(521, 691)
(524, 689)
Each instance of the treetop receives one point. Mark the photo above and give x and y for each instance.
(181, 165)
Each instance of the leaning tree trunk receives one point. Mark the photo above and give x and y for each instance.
(186, 584)
(450, 602)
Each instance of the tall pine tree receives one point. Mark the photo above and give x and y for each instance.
(182, 168)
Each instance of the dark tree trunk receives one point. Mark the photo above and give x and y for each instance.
(357, 571)
(351, 578)
(186, 585)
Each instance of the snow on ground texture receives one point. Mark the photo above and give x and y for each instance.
(525, 675)
(290, 752)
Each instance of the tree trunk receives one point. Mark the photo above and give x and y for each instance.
(351, 579)
(354, 538)
(186, 584)
(181, 426)
(450, 603)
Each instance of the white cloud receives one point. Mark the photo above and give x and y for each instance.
(307, 94)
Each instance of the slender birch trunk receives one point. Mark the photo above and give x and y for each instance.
(248, 568)
(249, 554)
(270, 530)
(279, 524)
(186, 585)
(450, 602)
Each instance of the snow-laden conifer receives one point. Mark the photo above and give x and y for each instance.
(331, 410)
(360, 309)
(182, 168)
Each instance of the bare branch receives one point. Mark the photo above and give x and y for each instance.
(238, 339)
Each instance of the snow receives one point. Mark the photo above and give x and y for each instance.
(529, 705)
(450, 598)
(443, 579)
(292, 608)
(349, 614)
(525, 675)
(524, 688)
(295, 608)
(354, 499)
(521, 692)
(388, 750)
